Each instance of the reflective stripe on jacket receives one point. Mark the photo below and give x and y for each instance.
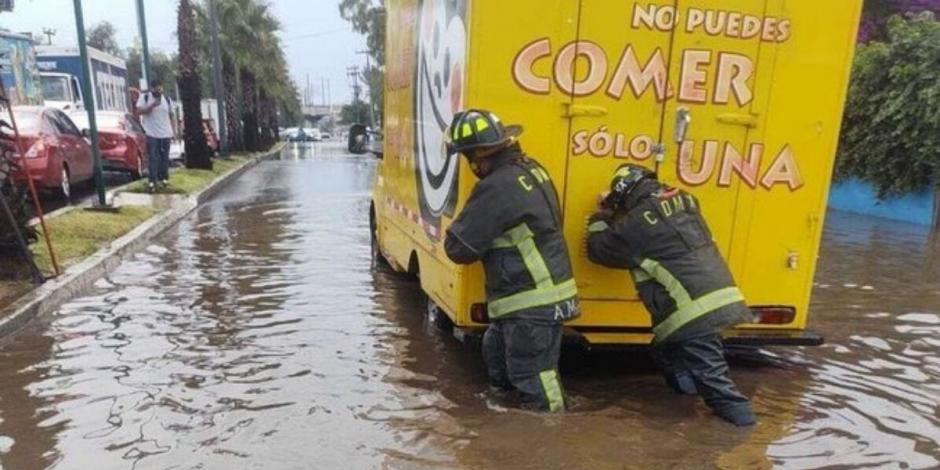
(678, 271)
(512, 223)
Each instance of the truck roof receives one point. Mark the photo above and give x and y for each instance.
(72, 51)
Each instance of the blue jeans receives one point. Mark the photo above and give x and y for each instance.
(158, 150)
(701, 361)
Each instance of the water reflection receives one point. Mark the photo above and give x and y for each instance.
(256, 335)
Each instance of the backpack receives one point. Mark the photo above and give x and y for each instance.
(165, 99)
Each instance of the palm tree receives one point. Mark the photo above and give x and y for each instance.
(254, 72)
(198, 154)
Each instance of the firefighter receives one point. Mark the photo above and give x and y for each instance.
(512, 223)
(659, 235)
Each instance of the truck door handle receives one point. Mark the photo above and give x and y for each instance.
(736, 119)
(576, 110)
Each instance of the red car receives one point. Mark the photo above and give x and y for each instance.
(57, 155)
(122, 141)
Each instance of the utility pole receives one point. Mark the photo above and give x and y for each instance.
(145, 58)
(102, 203)
(353, 74)
(307, 92)
(49, 33)
(367, 77)
(217, 78)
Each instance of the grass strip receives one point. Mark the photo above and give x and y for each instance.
(80, 233)
(187, 181)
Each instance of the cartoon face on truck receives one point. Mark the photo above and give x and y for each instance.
(439, 83)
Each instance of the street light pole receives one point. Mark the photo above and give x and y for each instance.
(145, 59)
(89, 103)
(217, 77)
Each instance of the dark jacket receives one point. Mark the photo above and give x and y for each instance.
(512, 223)
(679, 273)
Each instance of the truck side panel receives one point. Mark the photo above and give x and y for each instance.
(417, 182)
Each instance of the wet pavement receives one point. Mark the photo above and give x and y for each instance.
(256, 335)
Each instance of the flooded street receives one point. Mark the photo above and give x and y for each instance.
(255, 334)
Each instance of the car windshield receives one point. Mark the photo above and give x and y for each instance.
(55, 88)
(104, 121)
(27, 121)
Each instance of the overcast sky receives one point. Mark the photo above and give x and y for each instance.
(318, 42)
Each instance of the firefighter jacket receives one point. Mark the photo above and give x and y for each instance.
(678, 271)
(512, 223)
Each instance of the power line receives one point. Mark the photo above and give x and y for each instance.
(318, 34)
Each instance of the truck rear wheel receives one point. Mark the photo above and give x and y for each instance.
(378, 259)
(435, 315)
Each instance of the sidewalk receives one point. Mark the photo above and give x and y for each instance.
(89, 244)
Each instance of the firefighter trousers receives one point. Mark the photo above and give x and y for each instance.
(522, 354)
(698, 365)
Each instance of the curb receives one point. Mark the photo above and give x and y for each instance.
(80, 278)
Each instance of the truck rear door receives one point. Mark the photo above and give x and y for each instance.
(641, 70)
(616, 73)
(722, 67)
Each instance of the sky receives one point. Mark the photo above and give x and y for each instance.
(316, 40)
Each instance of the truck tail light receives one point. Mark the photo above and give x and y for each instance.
(773, 315)
(479, 313)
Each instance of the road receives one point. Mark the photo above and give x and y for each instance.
(255, 334)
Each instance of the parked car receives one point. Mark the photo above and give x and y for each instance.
(57, 155)
(286, 134)
(121, 138)
(300, 135)
(326, 135)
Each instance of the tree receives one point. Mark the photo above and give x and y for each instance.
(198, 154)
(891, 129)
(163, 67)
(355, 113)
(876, 13)
(255, 74)
(368, 17)
(102, 37)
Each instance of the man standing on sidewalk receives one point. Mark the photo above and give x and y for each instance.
(156, 115)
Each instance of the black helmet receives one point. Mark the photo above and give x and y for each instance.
(479, 129)
(625, 181)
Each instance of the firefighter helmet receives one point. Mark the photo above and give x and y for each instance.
(625, 181)
(479, 129)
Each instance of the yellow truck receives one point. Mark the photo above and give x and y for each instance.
(736, 101)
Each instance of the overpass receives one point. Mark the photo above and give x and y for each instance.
(313, 113)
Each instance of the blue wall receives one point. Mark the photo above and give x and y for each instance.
(859, 197)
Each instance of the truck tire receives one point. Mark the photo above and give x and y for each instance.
(378, 259)
(435, 316)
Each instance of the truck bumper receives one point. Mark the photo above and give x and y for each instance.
(606, 338)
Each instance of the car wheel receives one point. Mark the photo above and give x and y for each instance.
(65, 188)
(138, 172)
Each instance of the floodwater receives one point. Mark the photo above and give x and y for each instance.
(256, 335)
